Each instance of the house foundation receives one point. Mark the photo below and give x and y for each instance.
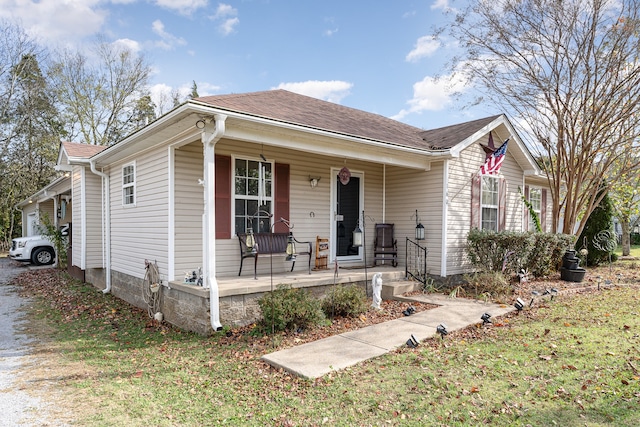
(187, 306)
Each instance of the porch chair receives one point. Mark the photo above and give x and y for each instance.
(385, 246)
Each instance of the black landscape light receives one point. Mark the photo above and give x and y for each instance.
(412, 342)
(535, 294)
(486, 318)
(442, 330)
(409, 311)
(519, 305)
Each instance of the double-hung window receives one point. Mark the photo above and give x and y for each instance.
(535, 198)
(129, 184)
(253, 195)
(489, 203)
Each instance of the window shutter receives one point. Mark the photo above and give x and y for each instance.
(223, 197)
(475, 201)
(281, 197)
(526, 213)
(543, 210)
(502, 204)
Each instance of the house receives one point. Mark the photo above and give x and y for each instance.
(176, 193)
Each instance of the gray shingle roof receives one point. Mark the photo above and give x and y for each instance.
(288, 107)
(81, 150)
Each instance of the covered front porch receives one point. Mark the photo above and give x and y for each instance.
(238, 296)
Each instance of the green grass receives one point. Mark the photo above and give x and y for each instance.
(571, 362)
(635, 251)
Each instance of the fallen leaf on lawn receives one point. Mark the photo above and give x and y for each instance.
(625, 382)
(544, 357)
(567, 324)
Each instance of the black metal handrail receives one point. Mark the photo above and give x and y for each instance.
(416, 261)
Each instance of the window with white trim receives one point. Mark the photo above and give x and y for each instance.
(489, 199)
(129, 184)
(253, 195)
(535, 198)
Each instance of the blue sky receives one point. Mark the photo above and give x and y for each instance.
(377, 56)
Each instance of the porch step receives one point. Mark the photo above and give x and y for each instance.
(395, 288)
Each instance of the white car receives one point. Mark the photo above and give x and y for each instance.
(38, 250)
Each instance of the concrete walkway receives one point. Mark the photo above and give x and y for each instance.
(315, 359)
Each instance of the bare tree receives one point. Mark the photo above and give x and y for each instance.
(100, 98)
(569, 72)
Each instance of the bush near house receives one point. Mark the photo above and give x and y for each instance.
(349, 301)
(288, 308)
(509, 252)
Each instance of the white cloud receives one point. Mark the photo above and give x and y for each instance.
(224, 10)
(228, 26)
(183, 7)
(329, 33)
(128, 44)
(228, 16)
(329, 90)
(55, 21)
(168, 41)
(425, 46)
(441, 4)
(433, 94)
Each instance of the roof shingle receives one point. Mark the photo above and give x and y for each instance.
(81, 150)
(292, 108)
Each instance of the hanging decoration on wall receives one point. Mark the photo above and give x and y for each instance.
(344, 175)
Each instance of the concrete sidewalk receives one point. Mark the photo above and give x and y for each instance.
(315, 359)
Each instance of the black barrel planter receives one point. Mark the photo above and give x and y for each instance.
(571, 270)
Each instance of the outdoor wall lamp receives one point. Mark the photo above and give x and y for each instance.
(200, 124)
(419, 228)
(313, 181)
(442, 330)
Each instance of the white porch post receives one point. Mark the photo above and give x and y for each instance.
(211, 134)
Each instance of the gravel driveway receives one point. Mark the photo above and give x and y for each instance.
(18, 407)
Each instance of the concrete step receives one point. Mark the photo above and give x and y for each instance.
(395, 288)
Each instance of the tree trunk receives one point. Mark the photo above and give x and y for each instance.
(626, 236)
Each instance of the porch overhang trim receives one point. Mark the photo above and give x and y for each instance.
(207, 109)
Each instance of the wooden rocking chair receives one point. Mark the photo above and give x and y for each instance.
(385, 246)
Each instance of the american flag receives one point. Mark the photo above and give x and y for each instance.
(493, 163)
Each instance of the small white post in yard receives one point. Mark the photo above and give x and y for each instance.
(376, 286)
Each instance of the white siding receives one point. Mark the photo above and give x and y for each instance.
(139, 232)
(310, 208)
(189, 207)
(461, 171)
(94, 226)
(408, 190)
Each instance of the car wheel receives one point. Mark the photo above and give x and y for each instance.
(43, 256)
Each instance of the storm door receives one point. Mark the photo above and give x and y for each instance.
(347, 197)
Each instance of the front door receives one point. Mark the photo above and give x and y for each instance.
(347, 202)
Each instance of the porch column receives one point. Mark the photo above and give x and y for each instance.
(211, 134)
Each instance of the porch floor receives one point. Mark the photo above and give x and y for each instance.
(246, 284)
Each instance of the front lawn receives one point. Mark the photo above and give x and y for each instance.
(571, 361)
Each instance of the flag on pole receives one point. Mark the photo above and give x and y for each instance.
(494, 161)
